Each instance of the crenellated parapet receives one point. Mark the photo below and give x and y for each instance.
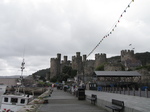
(100, 56)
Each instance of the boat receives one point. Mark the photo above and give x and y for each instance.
(14, 101)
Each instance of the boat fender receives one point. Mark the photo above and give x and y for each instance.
(7, 110)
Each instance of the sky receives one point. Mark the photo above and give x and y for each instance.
(37, 30)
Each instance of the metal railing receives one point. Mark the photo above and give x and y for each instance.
(127, 91)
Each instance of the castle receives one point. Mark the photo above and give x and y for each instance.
(128, 59)
(87, 67)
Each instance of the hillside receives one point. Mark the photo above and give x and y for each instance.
(143, 57)
(42, 72)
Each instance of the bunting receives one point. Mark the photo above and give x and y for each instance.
(111, 30)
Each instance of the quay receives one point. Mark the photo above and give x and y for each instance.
(61, 101)
(131, 103)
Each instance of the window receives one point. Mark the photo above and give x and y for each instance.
(14, 100)
(5, 99)
(22, 101)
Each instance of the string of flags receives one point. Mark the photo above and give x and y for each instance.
(112, 30)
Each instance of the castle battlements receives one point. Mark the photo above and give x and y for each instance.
(127, 54)
(98, 56)
(82, 64)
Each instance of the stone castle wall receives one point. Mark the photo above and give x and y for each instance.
(88, 67)
(79, 63)
(82, 65)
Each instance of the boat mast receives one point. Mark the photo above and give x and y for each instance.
(22, 68)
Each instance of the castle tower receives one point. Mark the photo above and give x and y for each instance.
(59, 57)
(127, 54)
(77, 63)
(55, 66)
(129, 60)
(65, 62)
(99, 59)
(65, 59)
(84, 58)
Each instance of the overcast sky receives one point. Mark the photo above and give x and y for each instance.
(39, 29)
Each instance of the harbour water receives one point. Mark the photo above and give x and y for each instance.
(1, 93)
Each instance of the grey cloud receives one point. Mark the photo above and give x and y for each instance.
(45, 28)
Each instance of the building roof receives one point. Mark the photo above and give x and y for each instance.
(116, 74)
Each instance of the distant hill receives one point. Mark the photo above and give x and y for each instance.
(42, 72)
(14, 76)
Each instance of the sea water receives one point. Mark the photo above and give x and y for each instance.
(2, 91)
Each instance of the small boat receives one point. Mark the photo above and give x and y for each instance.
(12, 102)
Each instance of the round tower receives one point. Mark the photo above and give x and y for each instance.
(100, 59)
(65, 59)
(77, 54)
(55, 66)
(59, 56)
(84, 58)
(127, 54)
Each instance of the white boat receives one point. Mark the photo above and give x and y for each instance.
(12, 102)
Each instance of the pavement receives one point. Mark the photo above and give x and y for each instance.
(132, 103)
(61, 101)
